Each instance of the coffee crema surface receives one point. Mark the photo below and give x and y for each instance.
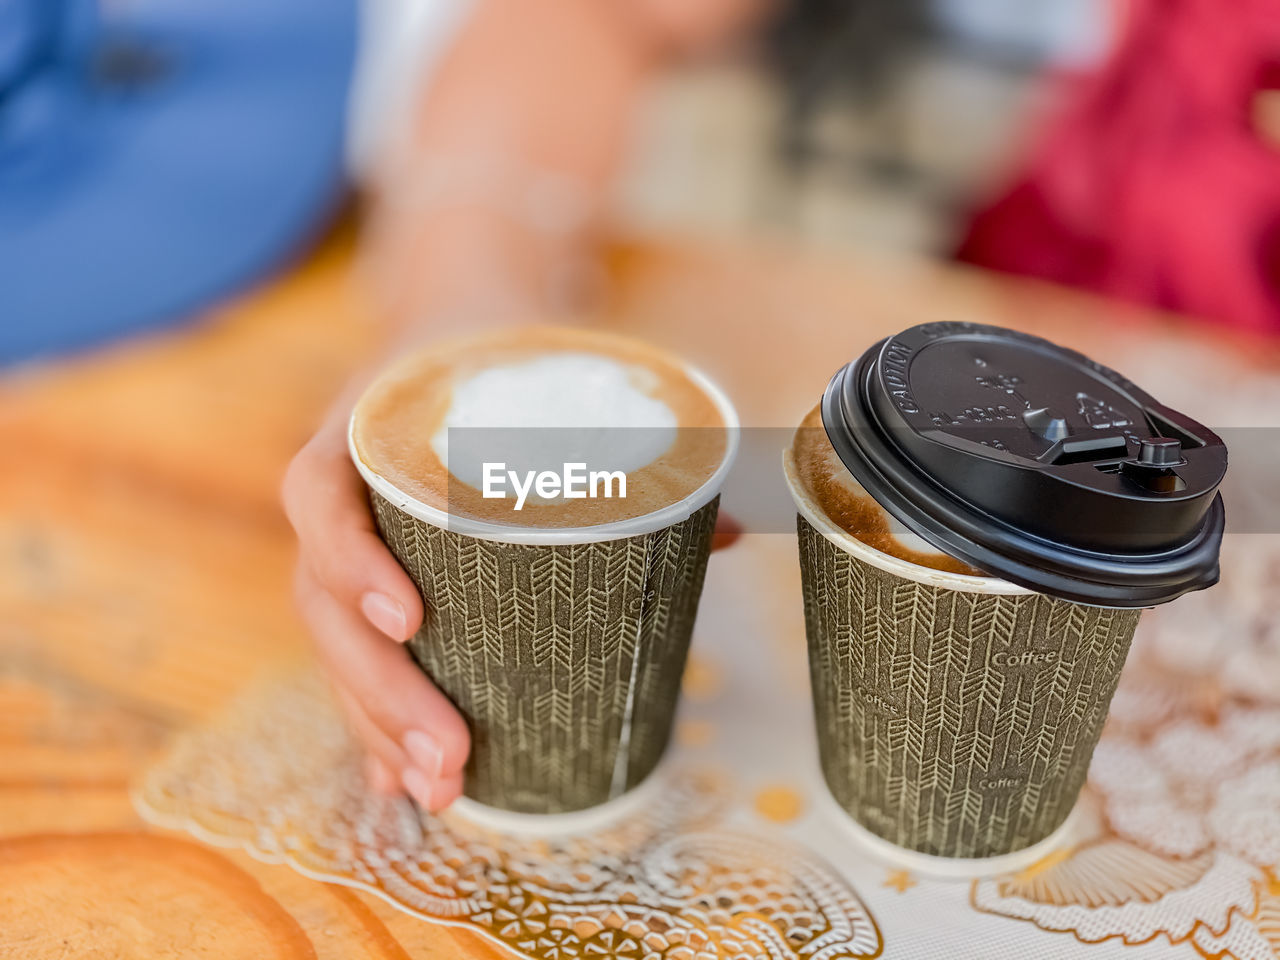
(833, 489)
(439, 422)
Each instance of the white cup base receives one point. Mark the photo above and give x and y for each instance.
(947, 868)
(577, 823)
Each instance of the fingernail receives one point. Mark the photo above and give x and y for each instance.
(424, 750)
(418, 785)
(385, 614)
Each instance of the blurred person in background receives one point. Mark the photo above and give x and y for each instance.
(487, 200)
(487, 196)
(1160, 183)
(157, 156)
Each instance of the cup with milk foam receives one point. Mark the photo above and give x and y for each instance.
(982, 517)
(552, 493)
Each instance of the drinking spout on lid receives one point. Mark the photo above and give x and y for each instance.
(1045, 423)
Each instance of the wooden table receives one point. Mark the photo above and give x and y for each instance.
(144, 560)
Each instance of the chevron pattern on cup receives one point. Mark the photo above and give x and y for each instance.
(566, 660)
(953, 723)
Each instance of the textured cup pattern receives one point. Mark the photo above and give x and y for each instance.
(953, 723)
(566, 660)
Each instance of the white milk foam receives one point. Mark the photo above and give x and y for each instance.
(603, 415)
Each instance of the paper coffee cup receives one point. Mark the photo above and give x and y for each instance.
(956, 713)
(564, 648)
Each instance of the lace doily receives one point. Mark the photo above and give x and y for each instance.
(280, 777)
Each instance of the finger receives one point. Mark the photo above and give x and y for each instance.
(436, 794)
(326, 502)
(384, 753)
(392, 691)
(727, 532)
(386, 766)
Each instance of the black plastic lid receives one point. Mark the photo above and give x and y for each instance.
(1033, 463)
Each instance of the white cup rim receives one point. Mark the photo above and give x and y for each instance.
(659, 519)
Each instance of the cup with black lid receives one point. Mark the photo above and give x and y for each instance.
(982, 517)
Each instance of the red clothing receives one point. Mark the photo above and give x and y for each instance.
(1156, 186)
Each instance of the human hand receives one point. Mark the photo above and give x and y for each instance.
(361, 607)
